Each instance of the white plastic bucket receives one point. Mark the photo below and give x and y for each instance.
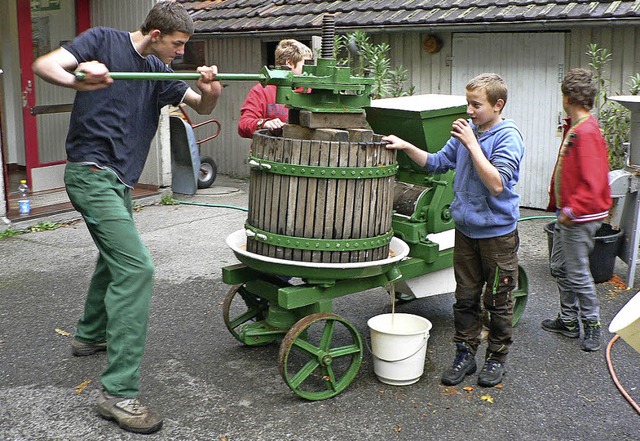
(399, 347)
(626, 323)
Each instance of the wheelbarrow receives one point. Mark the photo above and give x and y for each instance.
(183, 138)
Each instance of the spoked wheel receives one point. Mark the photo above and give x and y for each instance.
(320, 356)
(520, 295)
(241, 307)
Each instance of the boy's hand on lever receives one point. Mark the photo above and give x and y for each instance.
(95, 76)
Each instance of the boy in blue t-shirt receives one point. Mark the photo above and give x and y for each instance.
(486, 153)
(112, 125)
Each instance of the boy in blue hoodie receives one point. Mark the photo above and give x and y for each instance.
(486, 152)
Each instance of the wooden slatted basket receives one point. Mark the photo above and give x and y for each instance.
(320, 201)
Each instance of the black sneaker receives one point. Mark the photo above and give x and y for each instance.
(592, 331)
(491, 373)
(464, 364)
(569, 329)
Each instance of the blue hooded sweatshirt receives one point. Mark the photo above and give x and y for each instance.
(476, 212)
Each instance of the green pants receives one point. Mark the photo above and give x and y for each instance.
(117, 305)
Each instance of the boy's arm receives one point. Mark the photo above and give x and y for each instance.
(56, 68)
(210, 89)
(487, 172)
(419, 156)
(252, 111)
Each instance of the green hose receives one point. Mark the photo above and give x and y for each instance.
(549, 216)
(202, 204)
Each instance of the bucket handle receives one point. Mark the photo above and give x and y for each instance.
(426, 340)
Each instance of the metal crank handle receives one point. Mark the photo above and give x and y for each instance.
(431, 181)
(255, 164)
(80, 76)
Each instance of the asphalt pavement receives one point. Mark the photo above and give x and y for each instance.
(208, 386)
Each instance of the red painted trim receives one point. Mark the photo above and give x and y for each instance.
(83, 16)
(25, 44)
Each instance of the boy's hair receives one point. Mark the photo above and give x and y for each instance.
(493, 85)
(291, 50)
(580, 87)
(168, 17)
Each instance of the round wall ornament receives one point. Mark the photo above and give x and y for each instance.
(432, 44)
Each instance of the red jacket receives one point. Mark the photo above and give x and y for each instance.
(260, 103)
(580, 180)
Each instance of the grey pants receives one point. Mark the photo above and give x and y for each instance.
(569, 264)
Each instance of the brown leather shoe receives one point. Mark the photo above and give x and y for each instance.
(128, 413)
(81, 349)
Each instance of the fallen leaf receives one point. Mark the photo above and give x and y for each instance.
(468, 388)
(82, 386)
(61, 332)
(450, 391)
(590, 400)
(487, 398)
(499, 386)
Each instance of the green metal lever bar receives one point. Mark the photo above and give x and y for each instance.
(80, 76)
(324, 87)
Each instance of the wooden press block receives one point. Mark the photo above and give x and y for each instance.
(316, 120)
(360, 135)
(293, 131)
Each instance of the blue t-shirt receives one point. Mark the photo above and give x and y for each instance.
(113, 127)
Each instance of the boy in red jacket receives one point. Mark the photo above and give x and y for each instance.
(580, 195)
(260, 110)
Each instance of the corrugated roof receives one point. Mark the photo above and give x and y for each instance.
(238, 16)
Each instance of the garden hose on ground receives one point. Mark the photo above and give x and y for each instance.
(202, 204)
(615, 377)
(547, 216)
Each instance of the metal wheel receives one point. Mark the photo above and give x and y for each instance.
(320, 356)
(241, 309)
(402, 298)
(520, 295)
(207, 173)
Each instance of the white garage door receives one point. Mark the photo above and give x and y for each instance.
(532, 64)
